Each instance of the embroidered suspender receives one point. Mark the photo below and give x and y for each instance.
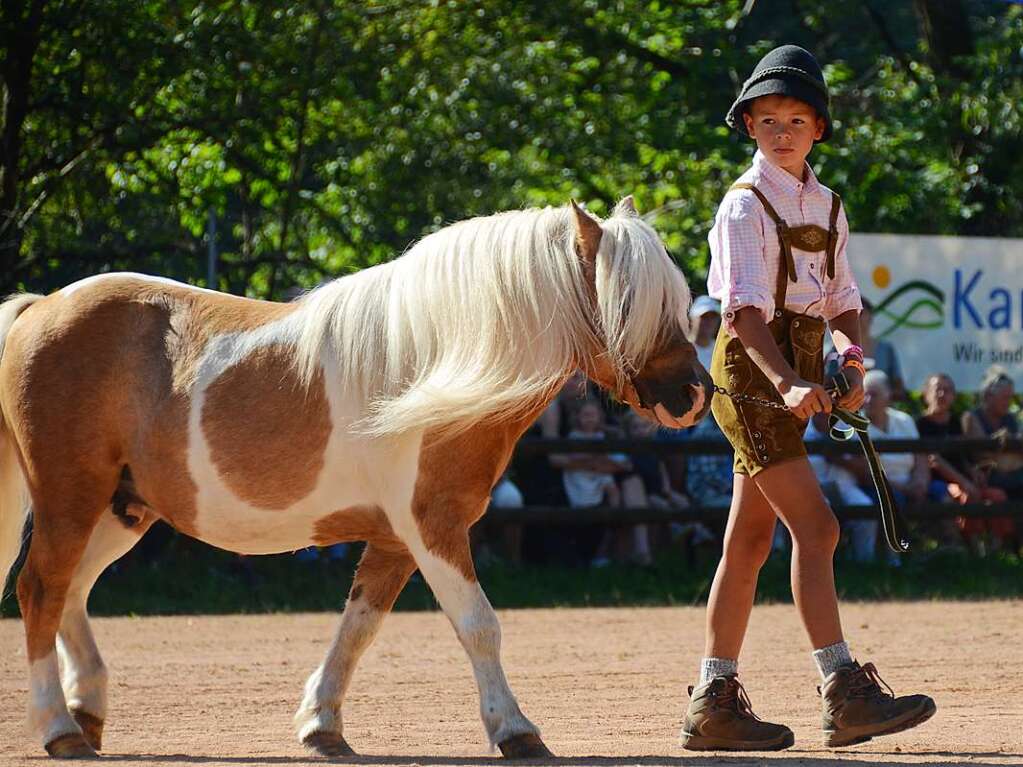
(836, 206)
(806, 237)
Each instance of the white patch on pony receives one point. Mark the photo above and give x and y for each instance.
(463, 602)
(84, 677)
(356, 471)
(74, 287)
(320, 710)
(47, 711)
(475, 623)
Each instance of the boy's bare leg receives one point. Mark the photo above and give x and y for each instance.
(747, 545)
(718, 717)
(856, 708)
(792, 490)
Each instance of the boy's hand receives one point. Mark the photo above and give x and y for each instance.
(853, 399)
(805, 398)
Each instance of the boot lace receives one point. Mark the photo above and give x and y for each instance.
(865, 682)
(734, 697)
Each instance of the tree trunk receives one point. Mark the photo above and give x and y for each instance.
(946, 28)
(20, 31)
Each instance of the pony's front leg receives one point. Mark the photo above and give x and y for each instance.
(452, 578)
(382, 573)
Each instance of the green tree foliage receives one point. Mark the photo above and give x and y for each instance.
(327, 135)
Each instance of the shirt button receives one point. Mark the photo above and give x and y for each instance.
(811, 266)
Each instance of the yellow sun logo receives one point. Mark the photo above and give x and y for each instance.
(882, 276)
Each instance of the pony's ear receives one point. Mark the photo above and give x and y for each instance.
(587, 234)
(626, 207)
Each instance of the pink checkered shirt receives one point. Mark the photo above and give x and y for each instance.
(745, 252)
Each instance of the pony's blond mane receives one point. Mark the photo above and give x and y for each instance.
(486, 317)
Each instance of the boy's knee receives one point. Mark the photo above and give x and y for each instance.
(820, 535)
(751, 549)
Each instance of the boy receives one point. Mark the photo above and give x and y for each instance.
(779, 268)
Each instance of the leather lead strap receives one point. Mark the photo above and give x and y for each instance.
(857, 424)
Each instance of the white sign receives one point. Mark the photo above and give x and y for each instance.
(948, 304)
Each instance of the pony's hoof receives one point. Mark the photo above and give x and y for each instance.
(328, 744)
(70, 746)
(524, 746)
(92, 727)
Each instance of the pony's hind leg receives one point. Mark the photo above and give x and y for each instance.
(453, 581)
(63, 523)
(383, 572)
(84, 677)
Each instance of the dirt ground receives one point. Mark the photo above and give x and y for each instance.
(606, 686)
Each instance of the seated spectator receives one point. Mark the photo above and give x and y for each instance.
(705, 316)
(993, 419)
(645, 485)
(1004, 467)
(577, 391)
(840, 486)
(709, 477)
(952, 474)
(588, 480)
(649, 468)
(879, 354)
(908, 473)
(505, 495)
(539, 481)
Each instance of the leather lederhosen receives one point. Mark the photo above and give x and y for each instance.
(762, 436)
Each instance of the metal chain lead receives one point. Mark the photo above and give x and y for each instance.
(749, 398)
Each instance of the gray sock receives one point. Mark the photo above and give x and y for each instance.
(712, 667)
(829, 659)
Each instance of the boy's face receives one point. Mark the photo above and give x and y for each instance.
(785, 129)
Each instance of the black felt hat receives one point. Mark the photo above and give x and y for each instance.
(785, 71)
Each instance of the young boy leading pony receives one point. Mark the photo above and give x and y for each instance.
(779, 268)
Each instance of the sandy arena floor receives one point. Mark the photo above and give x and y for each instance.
(606, 687)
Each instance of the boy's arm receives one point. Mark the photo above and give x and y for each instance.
(845, 330)
(802, 397)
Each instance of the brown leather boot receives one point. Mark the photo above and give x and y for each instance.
(856, 709)
(720, 718)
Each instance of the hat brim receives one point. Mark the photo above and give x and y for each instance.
(780, 86)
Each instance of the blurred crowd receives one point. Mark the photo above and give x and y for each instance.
(644, 479)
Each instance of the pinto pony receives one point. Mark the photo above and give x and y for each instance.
(381, 407)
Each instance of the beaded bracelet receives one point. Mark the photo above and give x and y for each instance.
(854, 352)
(856, 365)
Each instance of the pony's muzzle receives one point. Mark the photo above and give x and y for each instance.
(679, 405)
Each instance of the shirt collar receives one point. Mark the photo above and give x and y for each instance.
(782, 178)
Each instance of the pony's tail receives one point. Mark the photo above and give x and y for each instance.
(14, 505)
